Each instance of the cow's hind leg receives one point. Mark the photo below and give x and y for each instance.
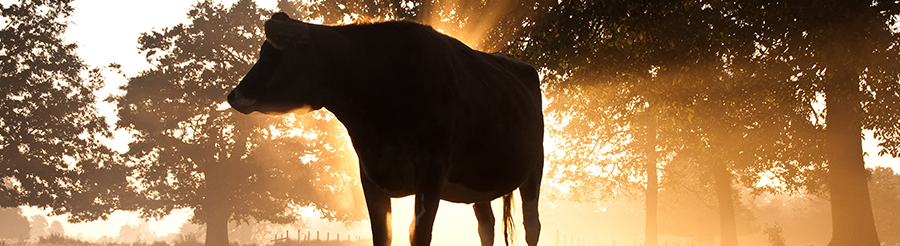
(379, 205)
(530, 190)
(485, 217)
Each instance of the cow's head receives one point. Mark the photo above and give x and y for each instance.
(286, 78)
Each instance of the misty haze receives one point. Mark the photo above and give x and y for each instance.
(677, 123)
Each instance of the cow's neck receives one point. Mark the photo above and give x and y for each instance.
(334, 50)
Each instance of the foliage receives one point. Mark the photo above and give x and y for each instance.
(137, 233)
(485, 25)
(39, 226)
(62, 239)
(50, 155)
(192, 151)
(688, 68)
(188, 239)
(15, 225)
(774, 232)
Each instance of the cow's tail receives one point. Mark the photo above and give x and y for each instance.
(509, 227)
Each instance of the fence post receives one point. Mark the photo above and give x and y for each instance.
(557, 238)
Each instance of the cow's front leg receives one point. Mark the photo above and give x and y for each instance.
(428, 196)
(379, 205)
(485, 216)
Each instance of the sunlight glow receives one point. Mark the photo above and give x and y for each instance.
(105, 31)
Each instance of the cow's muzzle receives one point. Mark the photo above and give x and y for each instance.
(240, 102)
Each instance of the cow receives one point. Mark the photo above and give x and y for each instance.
(427, 115)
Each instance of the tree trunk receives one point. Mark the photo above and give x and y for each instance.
(651, 232)
(217, 228)
(216, 206)
(727, 222)
(216, 209)
(851, 209)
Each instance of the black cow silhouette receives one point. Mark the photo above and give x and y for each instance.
(427, 115)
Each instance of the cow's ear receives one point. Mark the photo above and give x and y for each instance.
(282, 31)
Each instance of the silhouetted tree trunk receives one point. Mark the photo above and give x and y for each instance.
(217, 226)
(851, 209)
(727, 222)
(216, 206)
(651, 225)
(219, 182)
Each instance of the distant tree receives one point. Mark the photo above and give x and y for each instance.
(775, 234)
(193, 151)
(884, 188)
(136, 233)
(803, 219)
(39, 227)
(56, 228)
(189, 234)
(50, 156)
(15, 225)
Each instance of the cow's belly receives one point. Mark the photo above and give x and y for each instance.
(456, 192)
(484, 164)
(485, 176)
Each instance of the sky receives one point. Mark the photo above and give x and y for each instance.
(107, 31)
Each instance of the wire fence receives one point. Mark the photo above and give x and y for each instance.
(318, 239)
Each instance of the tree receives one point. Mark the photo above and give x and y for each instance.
(671, 84)
(50, 156)
(56, 228)
(847, 52)
(15, 225)
(39, 227)
(192, 151)
(804, 219)
(135, 234)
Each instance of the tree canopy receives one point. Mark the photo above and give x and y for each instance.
(193, 151)
(50, 154)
